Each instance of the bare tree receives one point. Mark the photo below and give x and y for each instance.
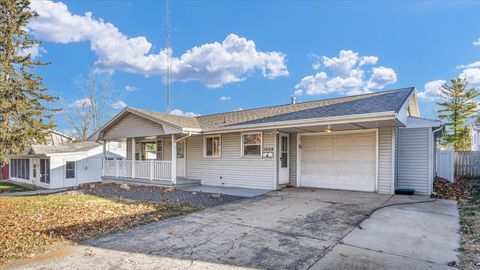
(81, 121)
(92, 114)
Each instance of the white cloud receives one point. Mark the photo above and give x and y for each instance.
(130, 88)
(472, 75)
(238, 109)
(381, 76)
(431, 90)
(181, 113)
(316, 66)
(36, 51)
(344, 74)
(224, 98)
(368, 60)
(477, 42)
(214, 64)
(471, 65)
(81, 103)
(119, 105)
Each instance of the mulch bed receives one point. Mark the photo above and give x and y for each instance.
(456, 190)
(158, 194)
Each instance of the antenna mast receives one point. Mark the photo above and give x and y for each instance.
(168, 97)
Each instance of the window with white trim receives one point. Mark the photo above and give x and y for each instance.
(70, 169)
(252, 144)
(212, 146)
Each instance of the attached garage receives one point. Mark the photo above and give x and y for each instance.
(342, 160)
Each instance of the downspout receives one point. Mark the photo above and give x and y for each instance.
(441, 128)
(184, 137)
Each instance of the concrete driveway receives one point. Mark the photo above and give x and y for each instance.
(290, 229)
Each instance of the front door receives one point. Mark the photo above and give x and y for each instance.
(35, 170)
(181, 158)
(45, 171)
(283, 170)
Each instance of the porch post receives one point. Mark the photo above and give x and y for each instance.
(133, 157)
(174, 160)
(104, 156)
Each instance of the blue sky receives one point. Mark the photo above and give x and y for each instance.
(270, 50)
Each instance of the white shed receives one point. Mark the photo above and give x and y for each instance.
(60, 166)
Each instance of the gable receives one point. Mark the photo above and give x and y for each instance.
(131, 125)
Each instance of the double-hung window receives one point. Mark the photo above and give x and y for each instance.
(212, 146)
(70, 169)
(252, 144)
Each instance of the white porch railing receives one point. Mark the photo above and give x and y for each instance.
(141, 169)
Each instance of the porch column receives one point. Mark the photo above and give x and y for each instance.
(133, 157)
(104, 156)
(174, 160)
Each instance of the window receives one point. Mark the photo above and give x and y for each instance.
(149, 150)
(70, 169)
(34, 168)
(252, 144)
(20, 168)
(212, 145)
(160, 150)
(181, 149)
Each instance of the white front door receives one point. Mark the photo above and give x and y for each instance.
(181, 158)
(283, 171)
(35, 170)
(338, 161)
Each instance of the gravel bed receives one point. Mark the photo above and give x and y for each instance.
(160, 194)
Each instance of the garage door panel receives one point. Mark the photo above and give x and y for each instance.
(339, 161)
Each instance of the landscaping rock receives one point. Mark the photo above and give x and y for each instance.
(125, 187)
(160, 194)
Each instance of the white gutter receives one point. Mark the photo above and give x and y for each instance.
(308, 122)
(184, 137)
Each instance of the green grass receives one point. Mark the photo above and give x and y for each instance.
(470, 227)
(8, 187)
(35, 224)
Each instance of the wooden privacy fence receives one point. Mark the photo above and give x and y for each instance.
(467, 164)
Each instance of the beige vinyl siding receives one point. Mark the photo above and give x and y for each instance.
(133, 126)
(231, 169)
(413, 159)
(293, 159)
(385, 161)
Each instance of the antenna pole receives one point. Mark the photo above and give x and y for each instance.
(168, 97)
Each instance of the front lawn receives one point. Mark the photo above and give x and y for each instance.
(33, 225)
(8, 187)
(470, 226)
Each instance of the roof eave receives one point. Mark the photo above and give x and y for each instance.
(390, 115)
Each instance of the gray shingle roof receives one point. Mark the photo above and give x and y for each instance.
(65, 148)
(178, 120)
(384, 101)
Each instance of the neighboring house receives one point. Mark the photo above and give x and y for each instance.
(52, 138)
(66, 165)
(474, 134)
(374, 142)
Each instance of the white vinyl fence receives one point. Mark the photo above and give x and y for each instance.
(467, 164)
(445, 164)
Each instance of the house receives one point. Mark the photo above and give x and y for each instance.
(52, 137)
(474, 135)
(65, 165)
(373, 142)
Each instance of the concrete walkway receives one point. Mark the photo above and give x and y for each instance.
(35, 192)
(290, 229)
(415, 236)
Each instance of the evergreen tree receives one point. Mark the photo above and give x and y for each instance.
(24, 115)
(457, 107)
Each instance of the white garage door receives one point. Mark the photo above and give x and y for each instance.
(338, 161)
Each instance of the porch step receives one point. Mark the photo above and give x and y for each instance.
(181, 182)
